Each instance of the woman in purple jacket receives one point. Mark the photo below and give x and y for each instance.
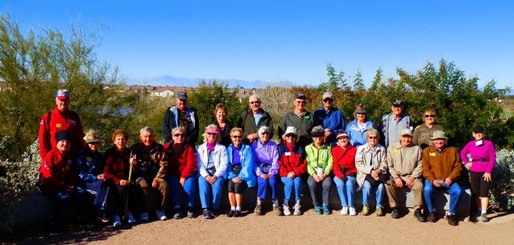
(479, 156)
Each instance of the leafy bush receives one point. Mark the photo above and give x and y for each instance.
(20, 176)
(502, 186)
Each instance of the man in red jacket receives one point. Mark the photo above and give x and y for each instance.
(60, 118)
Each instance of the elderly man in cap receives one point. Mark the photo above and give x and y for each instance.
(331, 118)
(392, 124)
(60, 118)
(181, 115)
(405, 167)
(300, 119)
(442, 167)
(254, 118)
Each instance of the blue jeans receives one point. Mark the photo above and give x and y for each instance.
(210, 194)
(453, 190)
(346, 190)
(262, 187)
(366, 193)
(288, 186)
(177, 190)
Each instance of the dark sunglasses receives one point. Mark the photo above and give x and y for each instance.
(264, 133)
(178, 135)
(372, 137)
(431, 115)
(237, 136)
(327, 100)
(254, 102)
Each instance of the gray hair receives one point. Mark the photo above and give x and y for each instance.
(179, 128)
(146, 129)
(256, 96)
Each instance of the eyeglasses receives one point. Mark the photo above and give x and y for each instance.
(431, 115)
(327, 100)
(178, 135)
(373, 137)
(254, 102)
(211, 133)
(264, 133)
(302, 102)
(290, 135)
(237, 136)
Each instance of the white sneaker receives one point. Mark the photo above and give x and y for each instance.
(297, 210)
(117, 221)
(287, 211)
(160, 215)
(352, 211)
(344, 211)
(143, 216)
(130, 218)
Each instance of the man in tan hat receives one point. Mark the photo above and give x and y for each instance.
(405, 167)
(331, 118)
(442, 167)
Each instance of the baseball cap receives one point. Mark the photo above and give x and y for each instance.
(62, 94)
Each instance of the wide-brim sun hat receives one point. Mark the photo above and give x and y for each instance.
(438, 135)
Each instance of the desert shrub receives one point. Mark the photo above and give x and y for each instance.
(502, 186)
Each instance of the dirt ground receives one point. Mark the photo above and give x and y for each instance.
(307, 229)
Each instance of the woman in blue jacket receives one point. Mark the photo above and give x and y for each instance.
(358, 128)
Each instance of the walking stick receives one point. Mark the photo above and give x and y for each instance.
(129, 177)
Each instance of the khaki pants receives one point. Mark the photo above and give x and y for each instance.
(417, 189)
(151, 196)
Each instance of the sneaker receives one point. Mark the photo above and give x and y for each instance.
(117, 221)
(130, 218)
(419, 216)
(277, 210)
(143, 216)
(326, 210)
(287, 211)
(344, 211)
(207, 214)
(317, 209)
(214, 213)
(231, 213)
(395, 214)
(258, 210)
(380, 212)
(432, 218)
(160, 215)
(104, 218)
(484, 218)
(237, 213)
(190, 213)
(452, 220)
(365, 210)
(353, 212)
(297, 210)
(178, 214)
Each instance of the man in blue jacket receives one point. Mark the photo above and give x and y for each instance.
(331, 118)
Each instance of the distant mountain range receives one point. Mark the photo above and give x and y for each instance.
(188, 82)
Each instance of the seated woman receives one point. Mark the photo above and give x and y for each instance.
(90, 168)
(319, 167)
(240, 171)
(371, 164)
(345, 172)
(181, 172)
(266, 169)
(292, 167)
(117, 172)
(211, 161)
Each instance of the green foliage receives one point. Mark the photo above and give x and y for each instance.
(502, 185)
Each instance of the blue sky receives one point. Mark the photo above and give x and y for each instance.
(287, 40)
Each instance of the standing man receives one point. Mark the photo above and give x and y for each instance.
(392, 124)
(254, 118)
(405, 167)
(300, 119)
(152, 167)
(331, 118)
(442, 167)
(181, 115)
(59, 119)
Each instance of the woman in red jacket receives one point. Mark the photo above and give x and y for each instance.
(292, 166)
(181, 172)
(345, 171)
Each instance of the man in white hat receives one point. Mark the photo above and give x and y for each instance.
(442, 167)
(331, 118)
(405, 167)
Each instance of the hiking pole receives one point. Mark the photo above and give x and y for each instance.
(132, 155)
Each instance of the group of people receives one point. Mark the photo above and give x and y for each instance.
(150, 178)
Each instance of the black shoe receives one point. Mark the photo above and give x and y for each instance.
(178, 214)
(432, 218)
(395, 214)
(237, 213)
(452, 220)
(207, 214)
(231, 213)
(214, 213)
(419, 216)
(190, 213)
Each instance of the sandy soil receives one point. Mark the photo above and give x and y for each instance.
(307, 229)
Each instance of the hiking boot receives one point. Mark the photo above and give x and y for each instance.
(326, 210)
(215, 213)
(380, 212)
(484, 218)
(231, 213)
(287, 211)
(237, 213)
(207, 214)
(297, 210)
(116, 221)
(130, 218)
(344, 211)
(432, 218)
(143, 216)
(353, 212)
(365, 210)
(395, 214)
(452, 220)
(277, 210)
(258, 210)
(419, 216)
(317, 209)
